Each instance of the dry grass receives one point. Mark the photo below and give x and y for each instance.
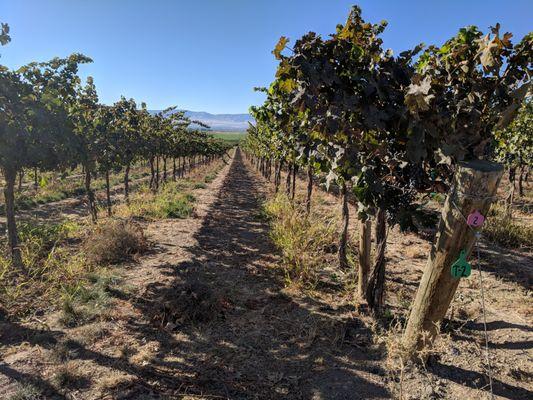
(41, 246)
(64, 261)
(90, 299)
(303, 240)
(506, 231)
(169, 202)
(415, 252)
(91, 334)
(51, 262)
(59, 256)
(68, 376)
(403, 369)
(26, 391)
(113, 241)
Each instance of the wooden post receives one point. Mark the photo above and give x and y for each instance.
(294, 171)
(520, 181)
(90, 195)
(343, 240)
(21, 177)
(474, 187)
(510, 197)
(277, 179)
(174, 169)
(127, 183)
(375, 291)
(35, 178)
(365, 246)
(152, 173)
(156, 183)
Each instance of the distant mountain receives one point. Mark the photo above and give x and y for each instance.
(219, 122)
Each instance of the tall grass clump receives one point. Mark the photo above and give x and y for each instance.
(168, 202)
(41, 242)
(113, 241)
(43, 252)
(302, 239)
(59, 259)
(49, 260)
(88, 299)
(210, 177)
(26, 391)
(505, 230)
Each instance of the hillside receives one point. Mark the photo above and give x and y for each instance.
(219, 122)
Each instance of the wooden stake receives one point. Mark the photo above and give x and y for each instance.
(475, 186)
(365, 246)
(375, 290)
(343, 240)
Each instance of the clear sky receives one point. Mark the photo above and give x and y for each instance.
(207, 55)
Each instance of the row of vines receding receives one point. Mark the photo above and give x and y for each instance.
(51, 121)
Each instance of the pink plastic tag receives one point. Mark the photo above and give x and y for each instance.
(475, 219)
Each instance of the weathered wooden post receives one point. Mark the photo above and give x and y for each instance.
(375, 290)
(365, 247)
(343, 241)
(474, 188)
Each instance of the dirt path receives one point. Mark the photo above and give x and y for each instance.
(231, 331)
(207, 318)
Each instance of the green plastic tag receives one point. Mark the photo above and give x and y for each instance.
(461, 268)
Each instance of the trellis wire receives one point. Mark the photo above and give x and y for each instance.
(477, 236)
(489, 367)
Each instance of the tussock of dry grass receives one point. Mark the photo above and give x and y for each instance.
(506, 231)
(89, 300)
(41, 245)
(61, 261)
(68, 376)
(113, 241)
(415, 252)
(303, 240)
(26, 391)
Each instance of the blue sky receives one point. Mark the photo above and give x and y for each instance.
(207, 55)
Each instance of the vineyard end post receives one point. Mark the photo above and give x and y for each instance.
(474, 188)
